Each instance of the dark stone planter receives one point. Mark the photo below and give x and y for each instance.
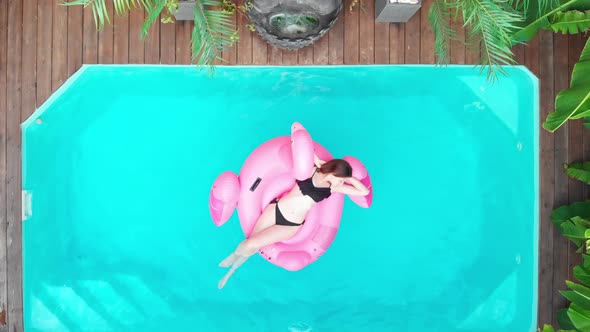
(293, 24)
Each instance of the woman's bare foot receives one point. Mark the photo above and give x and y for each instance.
(228, 261)
(237, 263)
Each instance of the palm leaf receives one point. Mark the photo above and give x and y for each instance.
(438, 15)
(579, 317)
(574, 102)
(580, 295)
(564, 320)
(153, 11)
(566, 212)
(571, 22)
(494, 23)
(574, 229)
(99, 10)
(212, 33)
(579, 171)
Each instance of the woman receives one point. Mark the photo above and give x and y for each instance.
(281, 219)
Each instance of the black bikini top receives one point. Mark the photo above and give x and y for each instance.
(316, 193)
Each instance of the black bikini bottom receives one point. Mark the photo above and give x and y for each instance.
(280, 219)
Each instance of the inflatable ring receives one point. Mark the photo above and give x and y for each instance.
(268, 173)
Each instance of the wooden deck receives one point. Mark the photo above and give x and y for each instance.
(42, 44)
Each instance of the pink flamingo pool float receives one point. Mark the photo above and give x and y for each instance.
(269, 172)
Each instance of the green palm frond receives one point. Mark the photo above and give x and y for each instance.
(438, 15)
(213, 32)
(99, 10)
(492, 22)
(154, 10)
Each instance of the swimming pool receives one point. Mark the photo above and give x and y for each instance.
(118, 164)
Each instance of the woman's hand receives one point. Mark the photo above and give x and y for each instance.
(356, 188)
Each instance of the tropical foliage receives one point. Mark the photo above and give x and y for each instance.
(573, 221)
(495, 26)
(213, 30)
(573, 103)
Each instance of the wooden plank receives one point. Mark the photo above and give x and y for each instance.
(289, 57)
(167, 42)
(305, 56)
(29, 60)
(245, 41)
(321, 52)
(397, 43)
(575, 149)
(90, 42)
(519, 53)
(121, 38)
(75, 23)
(413, 39)
(13, 178)
(59, 49)
(560, 138)
(3, 185)
(336, 41)
(136, 44)
(106, 38)
(351, 35)
(458, 51)
(427, 36)
(367, 33)
(275, 55)
(381, 43)
(472, 55)
(546, 173)
(152, 42)
(43, 56)
(183, 42)
(259, 50)
(230, 55)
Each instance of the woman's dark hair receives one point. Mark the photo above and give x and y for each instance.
(339, 167)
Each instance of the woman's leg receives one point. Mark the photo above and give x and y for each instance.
(266, 219)
(249, 247)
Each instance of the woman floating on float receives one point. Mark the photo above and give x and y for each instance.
(289, 200)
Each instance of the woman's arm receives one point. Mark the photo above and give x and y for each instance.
(356, 188)
(317, 161)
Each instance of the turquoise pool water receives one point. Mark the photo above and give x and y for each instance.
(118, 165)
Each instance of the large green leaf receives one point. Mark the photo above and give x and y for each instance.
(574, 102)
(580, 295)
(582, 274)
(580, 318)
(547, 328)
(566, 212)
(574, 229)
(579, 171)
(564, 320)
(571, 22)
(536, 21)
